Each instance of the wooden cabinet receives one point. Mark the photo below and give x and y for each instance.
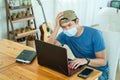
(14, 15)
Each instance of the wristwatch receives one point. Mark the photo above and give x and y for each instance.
(88, 60)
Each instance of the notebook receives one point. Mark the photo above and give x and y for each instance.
(26, 56)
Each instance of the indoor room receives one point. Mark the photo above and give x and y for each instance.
(59, 39)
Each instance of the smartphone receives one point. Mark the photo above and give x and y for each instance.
(85, 73)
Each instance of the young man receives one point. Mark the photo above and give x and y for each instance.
(86, 43)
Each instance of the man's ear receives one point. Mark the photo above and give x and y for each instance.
(77, 21)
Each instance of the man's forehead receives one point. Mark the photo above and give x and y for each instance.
(62, 21)
(67, 23)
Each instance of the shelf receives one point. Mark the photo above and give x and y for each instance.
(20, 7)
(22, 13)
(25, 34)
(23, 19)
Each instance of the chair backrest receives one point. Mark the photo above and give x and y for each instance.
(112, 41)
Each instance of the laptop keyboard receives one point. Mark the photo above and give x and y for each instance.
(70, 69)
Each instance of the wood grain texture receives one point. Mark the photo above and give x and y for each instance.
(11, 70)
(26, 34)
(23, 19)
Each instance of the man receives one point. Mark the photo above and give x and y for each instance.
(86, 43)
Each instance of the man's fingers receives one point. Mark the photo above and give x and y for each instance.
(74, 65)
(60, 16)
(77, 66)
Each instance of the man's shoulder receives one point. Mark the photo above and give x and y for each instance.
(61, 35)
(91, 30)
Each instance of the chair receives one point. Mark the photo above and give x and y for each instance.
(112, 51)
(108, 20)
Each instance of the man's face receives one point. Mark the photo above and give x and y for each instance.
(68, 25)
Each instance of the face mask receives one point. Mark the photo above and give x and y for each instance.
(70, 32)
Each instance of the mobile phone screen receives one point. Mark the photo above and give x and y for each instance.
(85, 73)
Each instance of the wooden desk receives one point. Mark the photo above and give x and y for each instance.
(11, 70)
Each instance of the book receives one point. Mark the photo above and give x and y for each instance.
(26, 56)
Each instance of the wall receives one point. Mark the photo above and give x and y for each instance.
(48, 8)
(2, 19)
(86, 10)
(51, 8)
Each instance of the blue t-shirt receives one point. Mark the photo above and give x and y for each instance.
(85, 45)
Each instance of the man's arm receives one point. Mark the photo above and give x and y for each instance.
(52, 38)
(100, 60)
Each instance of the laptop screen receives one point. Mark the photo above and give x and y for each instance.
(52, 56)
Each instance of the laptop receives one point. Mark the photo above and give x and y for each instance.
(54, 57)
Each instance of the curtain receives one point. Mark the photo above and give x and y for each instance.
(86, 10)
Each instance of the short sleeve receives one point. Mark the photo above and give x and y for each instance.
(98, 41)
(61, 38)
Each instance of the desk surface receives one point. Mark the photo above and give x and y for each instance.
(11, 70)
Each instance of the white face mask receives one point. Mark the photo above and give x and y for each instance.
(70, 32)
